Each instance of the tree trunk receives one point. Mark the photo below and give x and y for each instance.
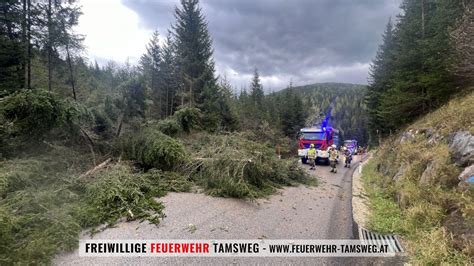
(28, 74)
(50, 44)
(423, 19)
(23, 41)
(167, 100)
(119, 124)
(423, 90)
(71, 74)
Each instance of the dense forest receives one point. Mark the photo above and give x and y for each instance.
(422, 63)
(343, 105)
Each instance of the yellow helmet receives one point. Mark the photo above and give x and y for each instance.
(311, 146)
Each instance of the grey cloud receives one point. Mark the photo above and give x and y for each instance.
(303, 40)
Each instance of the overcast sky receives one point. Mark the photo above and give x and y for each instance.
(305, 41)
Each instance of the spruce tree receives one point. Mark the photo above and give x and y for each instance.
(150, 64)
(168, 78)
(12, 75)
(420, 79)
(195, 65)
(381, 71)
(256, 90)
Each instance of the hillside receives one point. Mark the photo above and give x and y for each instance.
(342, 102)
(417, 185)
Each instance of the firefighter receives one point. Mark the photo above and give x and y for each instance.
(312, 156)
(332, 158)
(347, 157)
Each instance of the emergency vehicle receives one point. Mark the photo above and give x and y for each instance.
(321, 137)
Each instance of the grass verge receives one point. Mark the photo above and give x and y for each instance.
(416, 213)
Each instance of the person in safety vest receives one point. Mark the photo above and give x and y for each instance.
(312, 156)
(332, 158)
(347, 157)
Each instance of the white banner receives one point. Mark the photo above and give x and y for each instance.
(236, 248)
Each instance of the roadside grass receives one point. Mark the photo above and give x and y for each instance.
(412, 188)
(454, 116)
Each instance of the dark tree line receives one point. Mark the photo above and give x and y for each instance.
(343, 106)
(36, 31)
(413, 72)
(283, 111)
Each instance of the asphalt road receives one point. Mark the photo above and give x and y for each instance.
(322, 212)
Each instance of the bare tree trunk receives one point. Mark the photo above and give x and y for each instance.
(153, 79)
(23, 41)
(50, 44)
(71, 73)
(423, 19)
(423, 90)
(167, 100)
(120, 123)
(28, 75)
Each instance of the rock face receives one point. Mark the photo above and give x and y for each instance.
(468, 172)
(407, 136)
(464, 184)
(428, 174)
(461, 145)
(400, 172)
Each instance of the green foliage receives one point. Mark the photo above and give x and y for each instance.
(233, 166)
(342, 103)
(134, 97)
(256, 91)
(292, 113)
(418, 202)
(193, 52)
(103, 125)
(189, 118)
(44, 204)
(169, 126)
(34, 112)
(11, 75)
(152, 148)
(411, 74)
(118, 193)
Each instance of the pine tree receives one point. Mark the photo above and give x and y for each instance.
(150, 64)
(195, 65)
(168, 77)
(256, 90)
(381, 72)
(66, 17)
(463, 38)
(293, 114)
(420, 79)
(12, 72)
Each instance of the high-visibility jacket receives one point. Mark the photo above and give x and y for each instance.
(332, 155)
(312, 153)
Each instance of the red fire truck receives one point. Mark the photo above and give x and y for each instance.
(321, 137)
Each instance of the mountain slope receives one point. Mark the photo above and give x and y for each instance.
(417, 188)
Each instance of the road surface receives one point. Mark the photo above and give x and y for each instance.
(322, 212)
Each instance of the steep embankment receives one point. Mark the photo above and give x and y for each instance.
(417, 185)
(342, 102)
